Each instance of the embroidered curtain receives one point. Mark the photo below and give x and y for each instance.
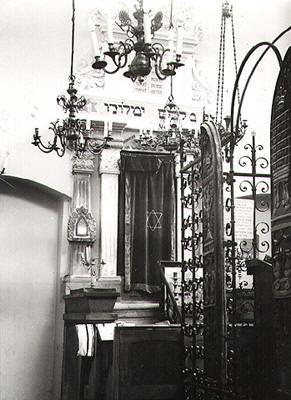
(148, 217)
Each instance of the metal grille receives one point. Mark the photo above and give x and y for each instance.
(217, 294)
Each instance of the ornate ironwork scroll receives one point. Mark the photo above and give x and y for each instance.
(247, 229)
(203, 281)
(191, 271)
(217, 294)
(213, 255)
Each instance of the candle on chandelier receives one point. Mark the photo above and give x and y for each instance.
(87, 253)
(147, 28)
(94, 39)
(109, 127)
(179, 40)
(105, 131)
(109, 29)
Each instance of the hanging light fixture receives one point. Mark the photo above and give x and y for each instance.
(71, 132)
(171, 135)
(224, 128)
(146, 54)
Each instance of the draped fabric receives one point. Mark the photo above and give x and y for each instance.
(147, 226)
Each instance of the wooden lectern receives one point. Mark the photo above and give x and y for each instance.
(85, 378)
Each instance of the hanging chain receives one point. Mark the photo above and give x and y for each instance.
(222, 73)
(219, 69)
(171, 88)
(234, 55)
(73, 41)
(226, 12)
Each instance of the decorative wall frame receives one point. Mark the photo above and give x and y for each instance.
(81, 226)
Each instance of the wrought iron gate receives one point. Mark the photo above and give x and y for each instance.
(217, 296)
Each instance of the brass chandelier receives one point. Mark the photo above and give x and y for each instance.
(171, 136)
(71, 132)
(146, 53)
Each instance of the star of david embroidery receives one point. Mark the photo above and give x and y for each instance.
(154, 220)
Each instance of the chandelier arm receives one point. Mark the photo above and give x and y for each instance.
(62, 139)
(60, 134)
(122, 64)
(159, 49)
(159, 52)
(124, 49)
(158, 56)
(43, 147)
(113, 71)
(60, 151)
(127, 48)
(159, 73)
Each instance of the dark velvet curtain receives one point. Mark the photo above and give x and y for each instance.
(148, 217)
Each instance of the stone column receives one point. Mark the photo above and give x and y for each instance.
(81, 225)
(109, 171)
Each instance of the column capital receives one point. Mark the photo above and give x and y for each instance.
(109, 162)
(84, 164)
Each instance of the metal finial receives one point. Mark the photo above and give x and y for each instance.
(226, 9)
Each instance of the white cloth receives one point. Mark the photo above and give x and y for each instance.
(86, 336)
(106, 331)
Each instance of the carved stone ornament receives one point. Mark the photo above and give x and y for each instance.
(201, 90)
(110, 161)
(81, 226)
(88, 78)
(83, 164)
